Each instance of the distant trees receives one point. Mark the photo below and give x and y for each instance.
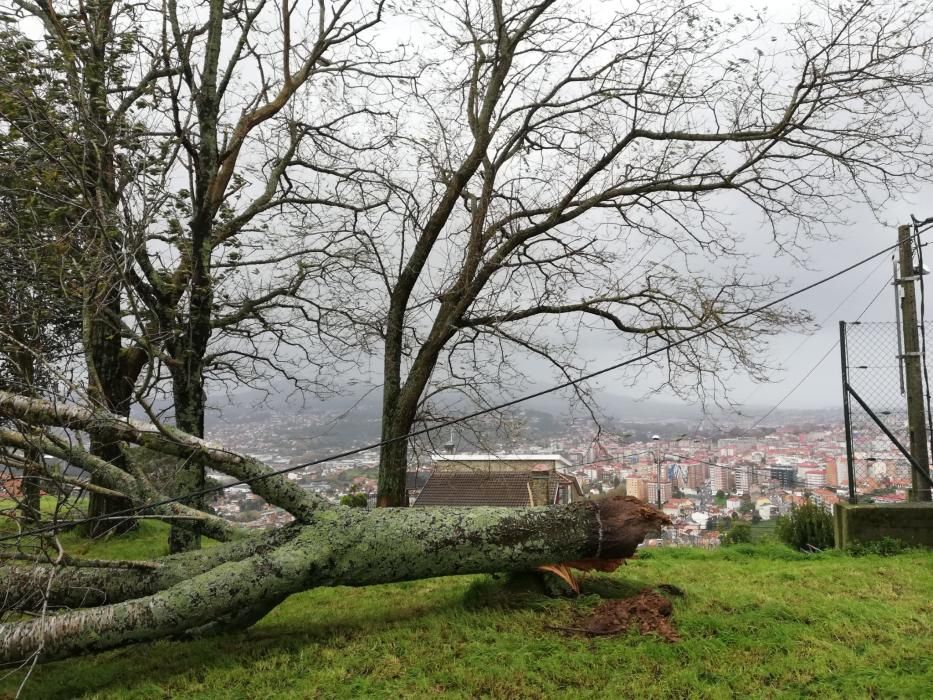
(738, 533)
(354, 499)
(807, 527)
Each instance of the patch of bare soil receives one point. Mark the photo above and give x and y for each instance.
(647, 611)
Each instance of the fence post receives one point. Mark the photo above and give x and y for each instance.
(846, 412)
(913, 369)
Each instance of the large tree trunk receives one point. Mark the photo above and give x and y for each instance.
(393, 455)
(31, 502)
(110, 383)
(83, 584)
(393, 468)
(188, 391)
(110, 388)
(25, 365)
(344, 546)
(399, 408)
(208, 195)
(188, 395)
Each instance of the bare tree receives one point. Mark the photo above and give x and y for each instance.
(204, 127)
(571, 169)
(239, 128)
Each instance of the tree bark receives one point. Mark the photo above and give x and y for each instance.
(393, 456)
(188, 396)
(346, 546)
(399, 408)
(109, 387)
(74, 585)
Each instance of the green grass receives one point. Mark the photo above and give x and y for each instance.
(756, 621)
(764, 530)
(148, 540)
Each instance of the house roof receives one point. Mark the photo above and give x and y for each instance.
(416, 479)
(501, 458)
(486, 488)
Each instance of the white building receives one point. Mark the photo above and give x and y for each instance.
(815, 478)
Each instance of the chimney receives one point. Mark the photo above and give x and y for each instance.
(450, 445)
(538, 485)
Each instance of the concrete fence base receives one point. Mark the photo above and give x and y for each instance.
(911, 523)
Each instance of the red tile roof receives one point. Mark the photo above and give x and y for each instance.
(481, 488)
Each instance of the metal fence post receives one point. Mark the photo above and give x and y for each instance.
(846, 412)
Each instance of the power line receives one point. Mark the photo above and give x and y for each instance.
(805, 340)
(818, 362)
(454, 421)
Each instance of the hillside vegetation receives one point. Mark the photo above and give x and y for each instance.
(755, 621)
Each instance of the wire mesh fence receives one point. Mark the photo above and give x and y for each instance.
(875, 372)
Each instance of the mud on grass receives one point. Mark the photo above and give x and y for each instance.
(647, 612)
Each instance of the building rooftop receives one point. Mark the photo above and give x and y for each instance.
(479, 457)
(486, 488)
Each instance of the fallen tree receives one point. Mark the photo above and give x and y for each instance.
(90, 606)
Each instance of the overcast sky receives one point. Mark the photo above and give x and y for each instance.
(799, 353)
(843, 299)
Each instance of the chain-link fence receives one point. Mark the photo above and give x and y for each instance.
(875, 372)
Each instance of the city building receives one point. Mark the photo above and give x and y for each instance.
(746, 476)
(666, 491)
(786, 476)
(815, 478)
(722, 479)
(635, 486)
(696, 476)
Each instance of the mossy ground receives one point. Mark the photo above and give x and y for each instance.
(756, 621)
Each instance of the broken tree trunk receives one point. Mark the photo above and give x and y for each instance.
(342, 546)
(110, 604)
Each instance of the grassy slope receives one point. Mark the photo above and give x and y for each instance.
(756, 622)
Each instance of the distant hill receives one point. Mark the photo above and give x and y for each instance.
(255, 406)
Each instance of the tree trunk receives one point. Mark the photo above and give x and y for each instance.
(75, 585)
(274, 488)
(347, 546)
(109, 384)
(188, 395)
(399, 408)
(24, 365)
(393, 469)
(393, 456)
(31, 502)
(110, 388)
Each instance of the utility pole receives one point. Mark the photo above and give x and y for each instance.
(913, 368)
(657, 460)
